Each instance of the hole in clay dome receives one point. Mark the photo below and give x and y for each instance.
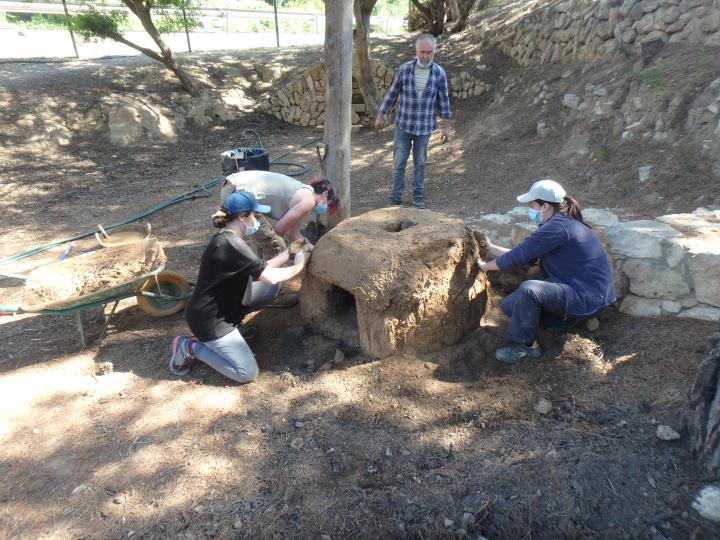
(398, 226)
(344, 314)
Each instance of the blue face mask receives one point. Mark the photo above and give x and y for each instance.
(424, 65)
(535, 216)
(252, 229)
(320, 208)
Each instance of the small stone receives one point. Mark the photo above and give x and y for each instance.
(644, 173)
(35, 430)
(406, 453)
(211, 530)
(449, 523)
(707, 503)
(297, 443)
(299, 424)
(339, 357)
(199, 509)
(388, 452)
(543, 406)
(80, 489)
(237, 523)
(593, 324)
(666, 433)
(571, 101)
(552, 455)
(117, 500)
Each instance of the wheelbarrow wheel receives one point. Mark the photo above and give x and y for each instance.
(168, 284)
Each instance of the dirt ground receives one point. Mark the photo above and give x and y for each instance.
(106, 443)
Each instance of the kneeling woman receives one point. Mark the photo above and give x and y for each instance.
(579, 279)
(232, 282)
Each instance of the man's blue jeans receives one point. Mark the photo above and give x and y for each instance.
(533, 303)
(404, 141)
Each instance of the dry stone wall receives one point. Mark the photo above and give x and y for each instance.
(302, 100)
(667, 266)
(576, 29)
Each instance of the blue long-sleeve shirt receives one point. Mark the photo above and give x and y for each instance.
(417, 114)
(571, 256)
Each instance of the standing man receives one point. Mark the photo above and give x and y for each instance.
(421, 89)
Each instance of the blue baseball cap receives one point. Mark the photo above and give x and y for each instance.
(242, 201)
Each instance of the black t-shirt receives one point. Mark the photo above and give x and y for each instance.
(215, 307)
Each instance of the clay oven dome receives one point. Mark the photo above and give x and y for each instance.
(395, 279)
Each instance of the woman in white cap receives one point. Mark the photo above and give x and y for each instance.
(232, 282)
(578, 277)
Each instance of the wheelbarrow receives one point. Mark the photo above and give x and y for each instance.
(62, 292)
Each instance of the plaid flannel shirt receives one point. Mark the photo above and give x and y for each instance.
(417, 114)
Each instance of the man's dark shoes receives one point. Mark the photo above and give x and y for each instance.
(518, 353)
(394, 202)
(419, 203)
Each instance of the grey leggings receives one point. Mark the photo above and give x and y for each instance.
(230, 354)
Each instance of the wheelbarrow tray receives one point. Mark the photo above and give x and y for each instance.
(146, 254)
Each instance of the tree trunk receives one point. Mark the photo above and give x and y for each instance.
(468, 8)
(338, 98)
(705, 404)
(142, 11)
(362, 68)
(454, 9)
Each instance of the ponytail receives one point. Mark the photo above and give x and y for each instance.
(571, 208)
(568, 207)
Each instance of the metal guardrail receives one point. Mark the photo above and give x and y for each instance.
(317, 19)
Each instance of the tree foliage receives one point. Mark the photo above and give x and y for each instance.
(156, 17)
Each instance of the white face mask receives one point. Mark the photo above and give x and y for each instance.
(252, 229)
(424, 65)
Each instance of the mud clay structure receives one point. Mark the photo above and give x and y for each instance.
(395, 280)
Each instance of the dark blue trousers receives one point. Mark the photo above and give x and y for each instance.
(535, 302)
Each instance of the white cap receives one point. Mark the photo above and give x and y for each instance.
(544, 190)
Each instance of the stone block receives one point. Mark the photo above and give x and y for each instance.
(646, 24)
(641, 239)
(520, 231)
(641, 307)
(703, 262)
(599, 218)
(649, 5)
(703, 313)
(672, 307)
(655, 280)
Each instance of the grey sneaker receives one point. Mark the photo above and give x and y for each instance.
(518, 353)
(394, 202)
(181, 360)
(419, 203)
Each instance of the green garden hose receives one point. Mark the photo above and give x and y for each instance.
(199, 193)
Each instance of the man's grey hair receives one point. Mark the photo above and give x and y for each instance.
(426, 37)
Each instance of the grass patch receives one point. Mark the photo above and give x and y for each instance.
(603, 153)
(653, 79)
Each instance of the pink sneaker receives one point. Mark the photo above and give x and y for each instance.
(182, 359)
